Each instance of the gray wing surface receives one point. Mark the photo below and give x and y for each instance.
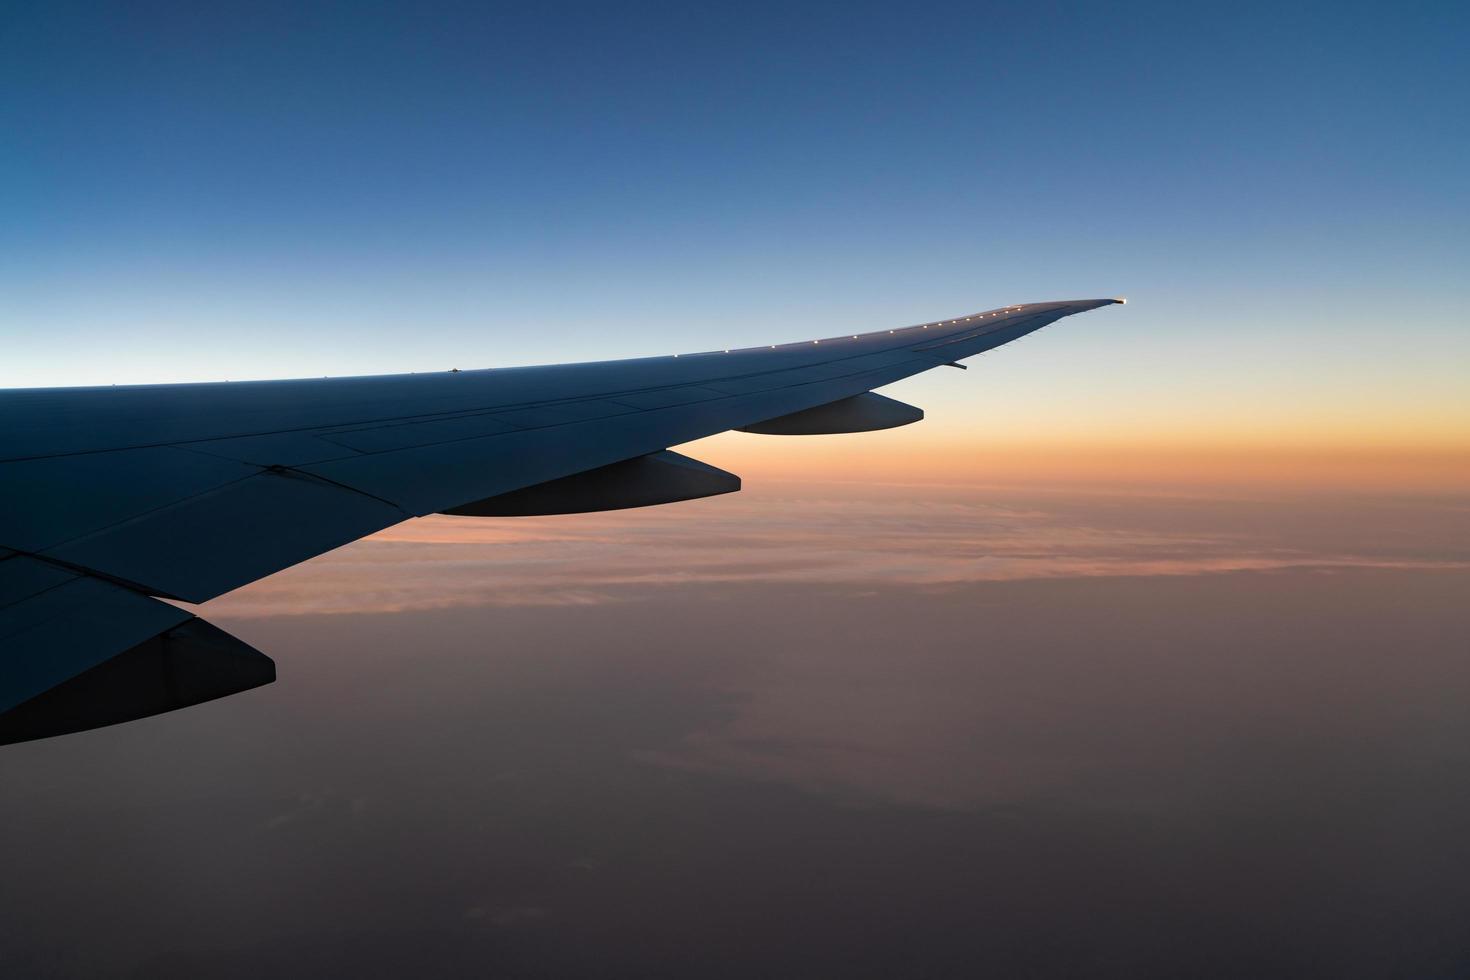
(116, 495)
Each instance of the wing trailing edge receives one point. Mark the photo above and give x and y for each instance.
(79, 652)
(184, 665)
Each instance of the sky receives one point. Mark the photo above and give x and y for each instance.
(1142, 655)
(218, 191)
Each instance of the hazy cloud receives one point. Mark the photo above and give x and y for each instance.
(850, 537)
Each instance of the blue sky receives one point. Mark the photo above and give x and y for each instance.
(207, 191)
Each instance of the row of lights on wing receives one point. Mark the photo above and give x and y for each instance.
(926, 326)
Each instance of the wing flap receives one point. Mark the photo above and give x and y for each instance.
(64, 623)
(184, 665)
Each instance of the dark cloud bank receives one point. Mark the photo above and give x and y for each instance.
(948, 738)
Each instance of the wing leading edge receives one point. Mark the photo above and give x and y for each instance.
(189, 491)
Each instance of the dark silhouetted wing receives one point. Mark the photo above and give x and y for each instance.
(115, 495)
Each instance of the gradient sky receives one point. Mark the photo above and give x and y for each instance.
(205, 191)
(1049, 685)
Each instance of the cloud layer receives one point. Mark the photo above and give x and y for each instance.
(852, 537)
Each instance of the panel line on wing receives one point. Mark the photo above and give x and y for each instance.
(293, 472)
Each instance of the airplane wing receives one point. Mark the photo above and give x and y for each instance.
(116, 495)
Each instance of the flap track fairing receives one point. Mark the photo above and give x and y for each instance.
(867, 412)
(658, 478)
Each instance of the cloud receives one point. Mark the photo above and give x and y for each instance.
(890, 537)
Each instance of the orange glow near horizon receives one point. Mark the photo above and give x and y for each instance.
(904, 455)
